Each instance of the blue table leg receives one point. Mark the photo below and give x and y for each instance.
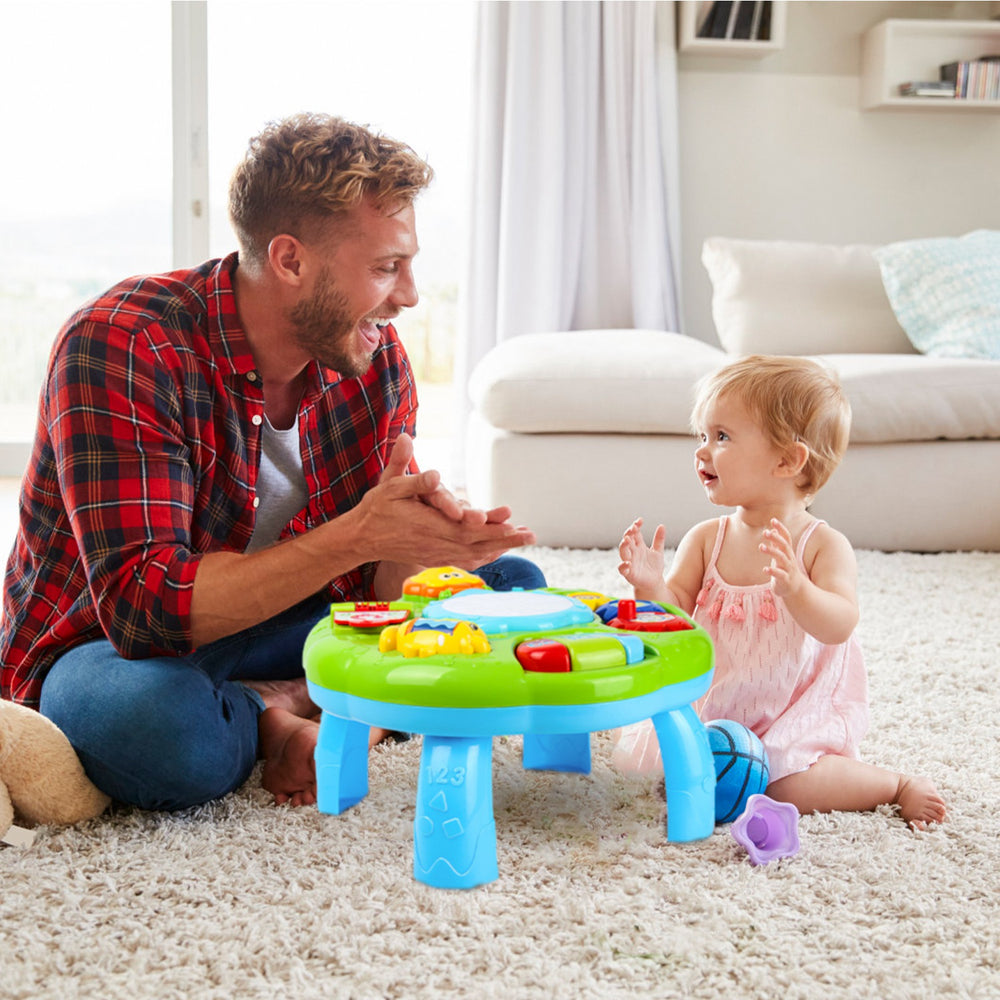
(341, 763)
(557, 752)
(454, 835)
(688, 772)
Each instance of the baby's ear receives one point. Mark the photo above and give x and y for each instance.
(794, 459)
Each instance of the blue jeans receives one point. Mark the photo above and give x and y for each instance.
(173, 732)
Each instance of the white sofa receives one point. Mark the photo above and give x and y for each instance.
(580, 432)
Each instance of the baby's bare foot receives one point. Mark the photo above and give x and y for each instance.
(919, 802)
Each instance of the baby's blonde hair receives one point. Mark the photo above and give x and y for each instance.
(793, 400)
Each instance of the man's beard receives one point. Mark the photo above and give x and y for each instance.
(323, 327)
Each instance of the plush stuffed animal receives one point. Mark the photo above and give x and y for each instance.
(41, 777)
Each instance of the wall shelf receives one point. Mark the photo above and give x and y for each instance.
(898, 51)
(691, 14)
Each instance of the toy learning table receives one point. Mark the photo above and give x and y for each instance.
(479, 663)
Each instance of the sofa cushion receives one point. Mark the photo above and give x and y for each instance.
(643, 382)
(946, 293)
(617, 381)
(783, 297)
(909, 397)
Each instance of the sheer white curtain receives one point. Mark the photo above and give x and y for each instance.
(574, 206)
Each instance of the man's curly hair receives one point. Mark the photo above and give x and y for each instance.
(302, 172)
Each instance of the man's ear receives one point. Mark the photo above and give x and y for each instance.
(794, 460)
(285, 256)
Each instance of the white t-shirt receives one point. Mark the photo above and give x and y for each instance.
(281, 484)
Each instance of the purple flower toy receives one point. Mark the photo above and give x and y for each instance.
(767, 829)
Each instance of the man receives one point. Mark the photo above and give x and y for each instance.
(220, 451)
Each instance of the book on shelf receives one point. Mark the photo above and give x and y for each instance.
(764, 29)
(745, 17)
(731, 22)
(974, 79)
(739, 20)
(704, 22)
(716, 24)
(928, 88)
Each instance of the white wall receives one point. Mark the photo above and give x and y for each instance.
(779, 148)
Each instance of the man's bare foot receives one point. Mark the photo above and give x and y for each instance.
(287, 745)
(291, 695)
(919, 802)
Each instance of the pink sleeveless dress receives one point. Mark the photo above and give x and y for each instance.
(804, 699)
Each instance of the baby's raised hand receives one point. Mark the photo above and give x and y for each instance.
(642, 565)
(784, 569)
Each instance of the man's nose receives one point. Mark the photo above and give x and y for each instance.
(405, 293)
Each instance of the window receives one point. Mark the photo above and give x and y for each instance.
(88, 199)
(85, 176)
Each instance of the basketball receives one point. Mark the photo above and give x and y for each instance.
(741, 767)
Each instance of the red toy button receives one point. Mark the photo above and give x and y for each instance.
(543, 656)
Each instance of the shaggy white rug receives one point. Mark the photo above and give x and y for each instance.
(242, 899)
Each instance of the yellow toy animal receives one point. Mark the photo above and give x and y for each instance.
(41, 777)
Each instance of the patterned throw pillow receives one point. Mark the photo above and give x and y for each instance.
(945, 293)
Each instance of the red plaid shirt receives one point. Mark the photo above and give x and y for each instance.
(146, 457)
